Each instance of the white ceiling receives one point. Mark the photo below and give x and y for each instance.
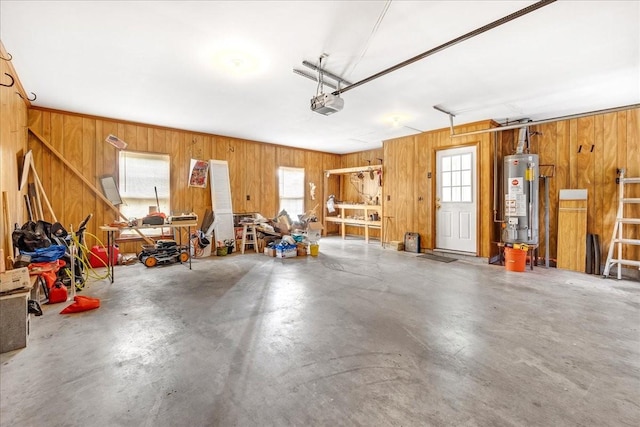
(159, 62)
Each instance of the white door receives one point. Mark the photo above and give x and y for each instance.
(456, 199)
(221, 200)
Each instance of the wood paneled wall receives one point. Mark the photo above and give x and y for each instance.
(349, 192)
(81, 140)
(13, 144)
(586, 153)
(409, 193)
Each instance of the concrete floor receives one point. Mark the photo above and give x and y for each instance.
(358, 336)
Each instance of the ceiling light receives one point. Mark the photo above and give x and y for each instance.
(235, 58)
(396, 120)
(236, 62)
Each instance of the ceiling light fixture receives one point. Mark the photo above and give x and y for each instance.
(396, 120)
(237, 62)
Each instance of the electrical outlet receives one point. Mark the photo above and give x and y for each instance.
(388, 198)
(248, 197)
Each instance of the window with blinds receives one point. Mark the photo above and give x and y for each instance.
(141, 175)
(291, 191)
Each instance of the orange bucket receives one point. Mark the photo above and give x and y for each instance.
(515, 259)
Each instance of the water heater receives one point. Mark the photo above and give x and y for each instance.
(521, 199)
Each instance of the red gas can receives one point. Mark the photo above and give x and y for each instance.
(58, 293)
(98, 256)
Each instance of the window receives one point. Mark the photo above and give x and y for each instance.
(291, 191)
(141, 174)
(456, 178)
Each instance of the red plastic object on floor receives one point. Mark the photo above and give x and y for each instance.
(98, 256)
(81, 303)
(58, 293)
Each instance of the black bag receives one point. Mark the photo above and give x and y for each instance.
(32, 236)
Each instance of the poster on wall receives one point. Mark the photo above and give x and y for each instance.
(199, 171)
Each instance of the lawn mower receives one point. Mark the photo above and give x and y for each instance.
(163, 252)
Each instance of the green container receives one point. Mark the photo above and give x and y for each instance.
(221, 251)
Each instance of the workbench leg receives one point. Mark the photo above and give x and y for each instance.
(110, 243)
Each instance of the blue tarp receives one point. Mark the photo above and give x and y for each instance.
(52, 253)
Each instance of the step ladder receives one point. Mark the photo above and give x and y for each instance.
(618, 239)
(249, 237)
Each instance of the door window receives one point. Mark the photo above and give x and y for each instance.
(456, 178)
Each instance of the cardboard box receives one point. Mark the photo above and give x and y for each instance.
(314, 231)
(284, 220)
(286, 252)
(302, 249)
(270, 252)
(281, 227)
(395, 245)
(314, 226)
(15, 279)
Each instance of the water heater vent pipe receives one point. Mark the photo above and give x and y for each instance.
(523, 139)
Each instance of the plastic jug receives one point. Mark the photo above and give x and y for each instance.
(58, 293)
